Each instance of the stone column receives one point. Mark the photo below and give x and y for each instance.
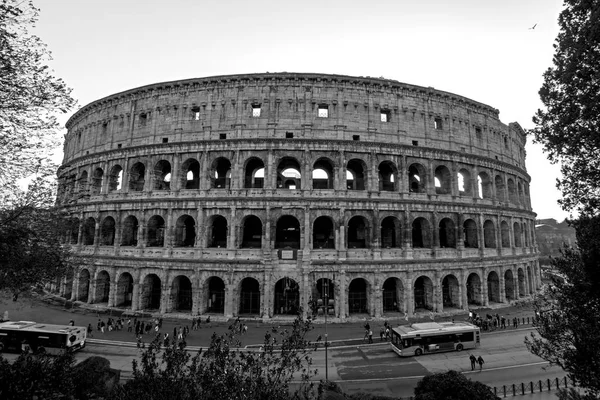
(484, 288)
(176, 176)
(112, 293)
(410, 295)
(165, 298)
(502, 287)
(135, 301)
(341, 181)
(232, 229)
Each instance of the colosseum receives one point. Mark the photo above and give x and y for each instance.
(260, 195)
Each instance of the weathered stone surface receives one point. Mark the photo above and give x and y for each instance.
(402, 198)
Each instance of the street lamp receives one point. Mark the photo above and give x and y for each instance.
(325, 288)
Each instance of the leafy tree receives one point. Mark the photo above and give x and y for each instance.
(451, 385)
(37, 377)
(568, 323)
(30, 98)
(568, 126)
(223, 371)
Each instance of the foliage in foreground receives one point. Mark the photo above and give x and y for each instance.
(568, 126)
(451, 385)
(568, 323)
(222, 371)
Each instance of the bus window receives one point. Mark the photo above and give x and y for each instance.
(407, 343)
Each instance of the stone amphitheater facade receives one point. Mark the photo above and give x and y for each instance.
(263, 194)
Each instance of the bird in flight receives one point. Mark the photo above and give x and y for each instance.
(533, 27)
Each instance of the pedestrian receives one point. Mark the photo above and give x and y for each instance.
(381, 334)
(142, 327)
(102, 325)
(387, 333)
(367, 329)
(480, 361)
(166, 339)
(89, 330)
(370, 336)
(503, 322)
(129, 325)
(193, 324)
(98, 327)
(72, 323)
(473, 361)
(245, 328)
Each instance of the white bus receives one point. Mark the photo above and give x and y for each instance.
(35, 337)
(434, 337)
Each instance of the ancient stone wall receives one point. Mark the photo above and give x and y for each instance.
(261, 194)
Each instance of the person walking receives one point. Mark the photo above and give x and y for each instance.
(473, 361)
(370, 336)
(89, 330)
(480, 361)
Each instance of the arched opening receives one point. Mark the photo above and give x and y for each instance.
(156, 232)
(124, 290)
(102, 287)
(136, 177)
(355, 175)
(220, 173)
(185, 231)
(450, 292)
(96, 184)
(489, 234)
(443, 181)
(493, 283)
(417, 182)
(83, 286)
(150, 293)
(500, 188)
(447, 233)
(287, 297)
(217, 233)
(323, 233)
(254, 174)
(107, 232)
(509, 285)
(520, 192)
(288, 174)
(391, 233)
(162, 175)
(89, 231)
(388, 176)
(322, 174)
(512, 192)
(470, 234)
(421, 233)
(82, 184)
(190, 174)
(517, 233)
(505, 234)
(393, 295)
(521, 278)
(357, 297)
(484, 186)
(251, 232)
(115, 178)
(249, 296)
(215, 303)
(181, 294)
(423, 294)
(474, 291)
(287, 233)
(358, 235)
(464, 182)
(130, 231)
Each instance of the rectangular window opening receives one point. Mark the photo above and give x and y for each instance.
(119, 146)
(478, 132)
(385, 116)
(415, 142)
(355, 137)
(196, 113)
(222, 136)
(323, 111)
(438, 123)
(289, 135)
(255, 110)
(165, 140)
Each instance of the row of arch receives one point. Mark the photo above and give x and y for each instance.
(247, 296)
(359, 232)
(290, 174)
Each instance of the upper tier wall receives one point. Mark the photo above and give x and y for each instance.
(364, 109)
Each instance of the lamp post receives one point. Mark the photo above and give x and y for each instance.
(325, 288)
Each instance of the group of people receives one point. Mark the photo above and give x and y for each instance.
(492, 322)
(476, 360)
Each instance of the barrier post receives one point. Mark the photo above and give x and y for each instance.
(504, 389)
(514, 389)
(531, 386)
(549, 385)
(540, 384)
(522, 388)
(557, 383)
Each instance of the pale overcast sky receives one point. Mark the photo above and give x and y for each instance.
(480, 49)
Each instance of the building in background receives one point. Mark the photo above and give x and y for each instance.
(259, 194)
(551, 238)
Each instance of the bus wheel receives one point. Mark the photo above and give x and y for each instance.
(459, 347)
(41, 350)
(418, 352)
